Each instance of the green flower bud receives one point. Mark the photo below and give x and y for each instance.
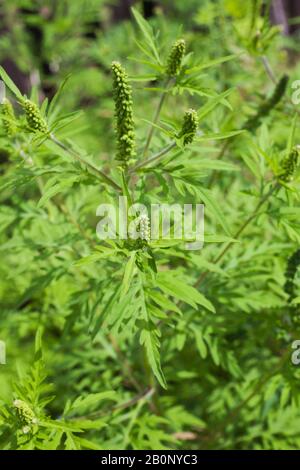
(279, 91)
(289, 287)
(175, 58)
(8, 117)
(266, 107)
(123, 114)
(290, 273)
(289, 165)
(189, 126)
(34, 119)
(25, 413)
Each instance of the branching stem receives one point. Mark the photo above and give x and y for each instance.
(156, 117)
(154, 158)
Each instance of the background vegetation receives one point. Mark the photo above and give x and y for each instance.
(115, 346)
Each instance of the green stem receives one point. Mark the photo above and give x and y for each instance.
(268, 68)
(89, 165)
(125, 188)
(219, 157)
(154, 158)
(156, 117)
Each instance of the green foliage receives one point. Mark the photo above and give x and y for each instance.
(25, 424)
(146, 344)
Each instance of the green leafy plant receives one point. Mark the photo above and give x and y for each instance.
(147, 344)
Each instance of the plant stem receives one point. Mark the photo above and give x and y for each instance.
(156, 117)
(89, 165)
(240, 230)
(268, 68)
(219, 157)
(154, 158)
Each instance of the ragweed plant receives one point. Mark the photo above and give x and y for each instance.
(289, 165)
(189, 126)
(290, 274)
(34, 119)
(268, 105)
(8, 117)
(148, 344)
(123, 113)
(175, 58)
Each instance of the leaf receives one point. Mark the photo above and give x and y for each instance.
(58, 94)
(179, 289)
(150, 334)
(57, 188)
(149, 339)
(152, 65)
(147, 32)
(201, 346)
(213, 206)
(153, 124)
(213, 238)
(142, 78)
(211, 164)
(10, 84)
(252, 164)
(143, 49)
(163, 302)
(105, 311)
(38, 341)
(128, 273)
(70, 442)
(199, 261)
(61, 425)
(86, 444)
(94, 257)
(218, 136)
(211, 63)
(292, 135)
(212, 103)
(93, 399)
